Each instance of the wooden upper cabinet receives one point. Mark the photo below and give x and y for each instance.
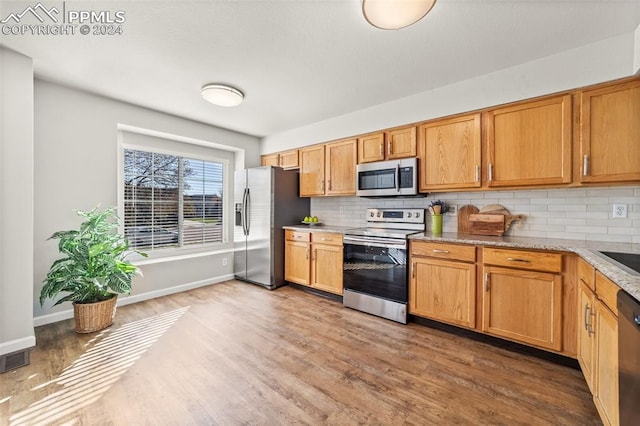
(610, 133)
(450, 153)
(401, 143)
(340, 167)
(312, 171)
(289, 159)
(529, 143)
(270, 160)
(371, 148)
(389, 145)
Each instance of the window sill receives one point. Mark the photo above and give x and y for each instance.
(172, 255)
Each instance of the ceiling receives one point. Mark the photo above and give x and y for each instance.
(299, 62)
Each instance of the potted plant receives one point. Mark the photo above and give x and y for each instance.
(93, 270)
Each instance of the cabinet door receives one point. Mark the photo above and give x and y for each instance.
(371, 148)
(341, 167)
(610, 133)
(586, 330)
(443, 290)
(289, 159)
(401, 143)
(326, 268)
(606, 365)
(270, 160)
(312, 171)
(297, 262)
(530, 143)
(525, 306)
(449, 153)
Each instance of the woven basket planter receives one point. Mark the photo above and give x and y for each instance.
(92, 317)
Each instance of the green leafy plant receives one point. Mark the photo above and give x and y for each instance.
(94, 265)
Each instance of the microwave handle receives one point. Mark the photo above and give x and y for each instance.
(398, 177)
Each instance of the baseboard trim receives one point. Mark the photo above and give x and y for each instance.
(127, 300)
(17, 345)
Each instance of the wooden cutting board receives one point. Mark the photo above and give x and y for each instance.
(463, 218)
(486, 224)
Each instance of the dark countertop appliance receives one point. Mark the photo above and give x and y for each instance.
(375, 272)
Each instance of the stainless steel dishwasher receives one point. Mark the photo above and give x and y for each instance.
(629, 359)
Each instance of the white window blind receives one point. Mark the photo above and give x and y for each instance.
(171, 201)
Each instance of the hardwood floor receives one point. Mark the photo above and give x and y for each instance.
(234, 353)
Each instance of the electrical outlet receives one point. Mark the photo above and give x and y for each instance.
(453, 209)
(619, 210)
(224, 261)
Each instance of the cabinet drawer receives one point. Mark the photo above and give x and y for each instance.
(607, 291)
(296, 235)
(523, 259)
(466, 253)
(326, 238)
(586, 274)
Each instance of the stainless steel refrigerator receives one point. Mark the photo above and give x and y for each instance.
(265, 199)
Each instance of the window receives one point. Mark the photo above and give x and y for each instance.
(171, 201)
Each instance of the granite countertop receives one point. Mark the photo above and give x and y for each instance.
(318, 228)
(588, 250)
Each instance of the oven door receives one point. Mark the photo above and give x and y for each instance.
(376, 267)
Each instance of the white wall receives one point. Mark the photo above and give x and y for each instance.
(16, 202)
(576, 214)
(76, 154)
(593, 63)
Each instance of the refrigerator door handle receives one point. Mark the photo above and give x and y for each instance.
(247, 212)
(244, 212)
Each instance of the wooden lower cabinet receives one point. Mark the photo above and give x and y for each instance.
(443, 290)
(314, 259)
(598, 340)
(586, 334)
(296, 262)
(525, 306)
(606, 364)
(326, 267)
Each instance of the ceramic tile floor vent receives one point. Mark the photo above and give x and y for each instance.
(14, 360)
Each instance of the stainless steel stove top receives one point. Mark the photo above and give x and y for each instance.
(391, 223)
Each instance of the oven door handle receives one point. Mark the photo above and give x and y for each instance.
(398, 177)
(375, 242)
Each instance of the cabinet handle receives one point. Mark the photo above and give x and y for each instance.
(413, 270)
(389, 147)
(586, 317)
(477, 173)
(490, 172)
(440, 251)
(326, 239)
(322, 186)
(381, 149)
(329, 183)
(585, 165)
(486, 281)
(515, 259)
(307, 254)
(313, 254)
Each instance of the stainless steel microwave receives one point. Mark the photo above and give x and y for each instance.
(388, 178)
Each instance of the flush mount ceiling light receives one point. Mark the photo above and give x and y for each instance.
(222, 94)
(395, 14)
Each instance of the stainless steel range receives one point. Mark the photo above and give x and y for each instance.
(375, 262)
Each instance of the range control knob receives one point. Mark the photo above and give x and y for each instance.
(417, 214)
(379, 214)
(409, 215)
(371, 214)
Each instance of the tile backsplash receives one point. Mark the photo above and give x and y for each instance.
(576, 213)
